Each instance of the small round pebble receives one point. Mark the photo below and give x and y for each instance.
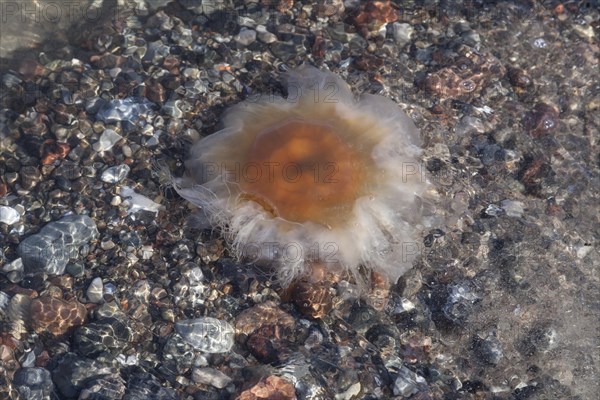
(9, 215)
(210, 376)
(246, 37)
(95, 291)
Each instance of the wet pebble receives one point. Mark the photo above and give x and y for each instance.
(284, 50)
(312, 299)
(30, 177)
(49, 250)
(408, 383)
(402, 33)
(9, 215)
(488, 349)
(75, 269)
(115, 174)
(468, 73)
(519, 78)
(513, 208)
(28, 360)
(542, 120)
(373, 15)
(155, 92)
(106, 387)
(94, 291)
(173, 108)
(130, 239)
(493, 210)
(271, 387)
(533, 172)
(178, 355)
(139, 202)
(108, 335)
(207, 334)
(73, 373)
(34, 383)
(56, 316)
(145, 386)
(210, 376)
(190, 289)
(460, 302)
(129, 109)
(250, 320)
(18, 312)
(4, 300)
(107, 140)
(246, 37)
(264, 35)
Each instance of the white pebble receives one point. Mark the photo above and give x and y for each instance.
(207, 334)
(512, 208)
(147, 252)
(107, 140)
(115, 201)
(94, 291)
(139, 202)
(9, 215)
(115, 174)
(402, 33)
(16, 265)
(246, 37)
(210, 376)
(264, 35)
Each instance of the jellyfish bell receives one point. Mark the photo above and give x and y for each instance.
(316, 178)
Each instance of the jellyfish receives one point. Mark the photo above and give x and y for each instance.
(318, 177)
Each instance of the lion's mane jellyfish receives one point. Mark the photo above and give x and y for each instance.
(319, 177)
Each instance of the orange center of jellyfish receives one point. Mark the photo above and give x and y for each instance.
(303, 171)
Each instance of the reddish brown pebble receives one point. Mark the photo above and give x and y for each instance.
(267, 343)
(155, 92)
(56, 316)
(53, 151)
(532, 173)
(319, 47)
(107, 60)
(368, 62)
(266, 313)
(171, 62)
(282, 5)
(542, 120)
(519, 78)
(312, 292)
(268, 328)
(372, 15)
(312, 300)
(331, 8)
(464, 75)
(42, 359)
(559, 9)
(272, 388)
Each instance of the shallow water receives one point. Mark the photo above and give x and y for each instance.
(502, 303)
